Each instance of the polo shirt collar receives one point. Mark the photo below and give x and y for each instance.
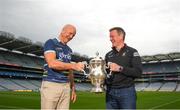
(125, 45)
(57, 38)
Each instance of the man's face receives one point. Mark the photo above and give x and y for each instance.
(68, 34)
(115, 38)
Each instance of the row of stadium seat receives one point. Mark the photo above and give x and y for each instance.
(19, 84)
(20, 59)
(165, 67)
(20, 74)
(158, 86)
(29, 84)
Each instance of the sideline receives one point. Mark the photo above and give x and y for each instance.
(165, 104)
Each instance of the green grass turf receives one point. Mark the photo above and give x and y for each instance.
(87, 100)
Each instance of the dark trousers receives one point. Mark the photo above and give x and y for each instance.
(121, 98)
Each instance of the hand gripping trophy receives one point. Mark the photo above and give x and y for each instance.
(97, 73)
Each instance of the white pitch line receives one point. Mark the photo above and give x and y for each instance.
(165, 104)
(11, 107)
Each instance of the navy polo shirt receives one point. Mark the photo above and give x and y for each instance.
(63, 54)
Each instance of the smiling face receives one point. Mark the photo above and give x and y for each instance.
(116, 38)
(67, 33)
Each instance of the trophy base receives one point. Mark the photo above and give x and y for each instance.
(97, 90)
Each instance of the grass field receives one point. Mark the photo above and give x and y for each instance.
(87, 100)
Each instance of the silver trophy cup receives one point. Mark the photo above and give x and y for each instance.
(97, 73)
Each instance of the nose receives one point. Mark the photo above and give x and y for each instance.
(70, 37)
(111, 39)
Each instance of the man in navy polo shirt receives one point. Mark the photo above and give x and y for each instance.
(59, 80)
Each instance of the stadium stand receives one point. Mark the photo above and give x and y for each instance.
(26, 84)
(83, 86)
(9, 85)
(168, 86)
(20, 59)
(178, 88)
(21, 67)
(2, 89)
(141, 86)
(155, 86)
(36, 82)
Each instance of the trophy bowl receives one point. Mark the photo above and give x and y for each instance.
(97, 73)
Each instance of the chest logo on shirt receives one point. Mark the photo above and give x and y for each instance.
(124, 54)
(64, 57)
(110, 55)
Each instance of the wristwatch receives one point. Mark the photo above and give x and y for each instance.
(120, 68)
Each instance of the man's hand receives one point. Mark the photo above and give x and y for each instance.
(72, 86)
(73, 95)
(115, 67)
(79, 66)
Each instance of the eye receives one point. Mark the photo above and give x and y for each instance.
(111, 36)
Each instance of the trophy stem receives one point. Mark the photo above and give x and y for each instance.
(97, 88)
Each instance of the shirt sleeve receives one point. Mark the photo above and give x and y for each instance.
(136, 69)
(49, 46)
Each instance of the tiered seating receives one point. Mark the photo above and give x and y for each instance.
(83, 86)
(20, 59)
(153, 86)
(141, 86)
(7, 83)
(36, 83)
(178, 88)
(26, 84)
(169, 86)
(2, 89)
(166, 67)
(19, 74)
(10, 58)
(154, 68)
(30, 62)
(2, 59)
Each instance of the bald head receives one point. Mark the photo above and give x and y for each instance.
(67, 33)
(69, 27)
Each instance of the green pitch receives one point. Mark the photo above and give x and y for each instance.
(87, 100)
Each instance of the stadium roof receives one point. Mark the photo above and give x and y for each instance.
(22, 44)
(161, 57)
(25, 45)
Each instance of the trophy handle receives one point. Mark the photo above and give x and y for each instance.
(108, 75)
(84, 72)
(86, 65)
(107, 67)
